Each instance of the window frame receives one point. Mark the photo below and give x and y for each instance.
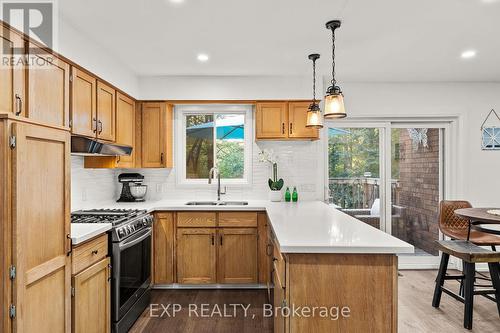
(183, 110)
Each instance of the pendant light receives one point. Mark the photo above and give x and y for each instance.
(334, 99)
(314, 119)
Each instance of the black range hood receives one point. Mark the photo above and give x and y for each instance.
(83, 146)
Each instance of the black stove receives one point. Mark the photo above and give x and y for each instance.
(126, 222)
(130, 259)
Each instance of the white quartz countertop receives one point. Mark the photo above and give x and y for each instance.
(82, 232)
(303, 227)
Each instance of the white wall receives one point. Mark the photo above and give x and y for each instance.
(76, 46)
(478, 171)
(302, 163)
(225, 87)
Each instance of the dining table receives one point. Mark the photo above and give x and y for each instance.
(481, 219)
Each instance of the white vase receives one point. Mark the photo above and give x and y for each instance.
(275, 196)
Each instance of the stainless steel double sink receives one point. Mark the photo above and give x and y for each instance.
(217, 203)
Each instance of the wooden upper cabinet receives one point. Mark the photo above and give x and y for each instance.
(106, 112)
(282, 121)
(12, 96)
(92, 299)
(297, 119)
(125, 128)
(196, 255)
(48, 89)
(237, 259)
(41, 174)
(271, 120)
(83, 103)
(157, 135)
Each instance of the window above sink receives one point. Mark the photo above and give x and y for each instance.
(213, 135)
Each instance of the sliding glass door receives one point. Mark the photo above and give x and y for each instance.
(390, 175)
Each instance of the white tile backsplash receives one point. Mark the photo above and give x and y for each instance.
(299, 164)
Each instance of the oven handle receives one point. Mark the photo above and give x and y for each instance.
(135, 240)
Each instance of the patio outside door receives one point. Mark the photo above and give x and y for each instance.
(391, 176)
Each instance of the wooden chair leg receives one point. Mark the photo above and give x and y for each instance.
(440, 280)
(495, 279)
(470, 272)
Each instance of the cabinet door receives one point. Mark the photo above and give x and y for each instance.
(237, 261)
(196, 255)
(48, 89)
(106, 112)
(271, 120)
(278, 304)
(41, 228)
(11, 74)
(91, 301)
(125, 128)
(163, 248)
(83, 103)
(157, 138)
(265, 250)
(297, 118)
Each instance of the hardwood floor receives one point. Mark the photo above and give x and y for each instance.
(416, 315)
(195, 322)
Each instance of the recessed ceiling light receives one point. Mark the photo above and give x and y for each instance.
(489, 1)
(176, 1)
(468, 54)
(202, 57)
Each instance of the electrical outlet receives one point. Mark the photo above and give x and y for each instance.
(158, 188)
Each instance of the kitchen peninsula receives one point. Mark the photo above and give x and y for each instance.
(321, 257)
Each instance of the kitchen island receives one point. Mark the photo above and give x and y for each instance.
(331, 272)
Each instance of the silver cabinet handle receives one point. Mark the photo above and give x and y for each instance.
(291, 128)
(161, 158)
(100, 127)
(94, 125)
(19, 104)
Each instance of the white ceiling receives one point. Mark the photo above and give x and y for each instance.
(384, 40)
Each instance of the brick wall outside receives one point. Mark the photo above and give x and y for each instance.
(419, 192)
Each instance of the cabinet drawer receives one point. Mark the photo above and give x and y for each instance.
(196, 219)
(89, 253)
(238, 219)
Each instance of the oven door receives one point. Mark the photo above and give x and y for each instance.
(131, 271)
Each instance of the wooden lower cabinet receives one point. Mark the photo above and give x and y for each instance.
(194, 248)
(279, 301)
(237, 255)
(196, 255)
(163, 248)
(92, 299)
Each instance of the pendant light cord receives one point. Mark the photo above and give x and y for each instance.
(334, 82)
(314, 81)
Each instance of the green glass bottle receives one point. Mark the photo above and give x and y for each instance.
(287, 194)
(295, 195)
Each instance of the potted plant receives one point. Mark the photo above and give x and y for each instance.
(275, 184)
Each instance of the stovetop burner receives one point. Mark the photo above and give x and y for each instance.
(114, 216)
(126, 222)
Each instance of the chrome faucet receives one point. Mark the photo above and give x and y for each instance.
(211, 175)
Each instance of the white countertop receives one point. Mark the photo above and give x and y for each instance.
(81, 232)
(303, 227)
